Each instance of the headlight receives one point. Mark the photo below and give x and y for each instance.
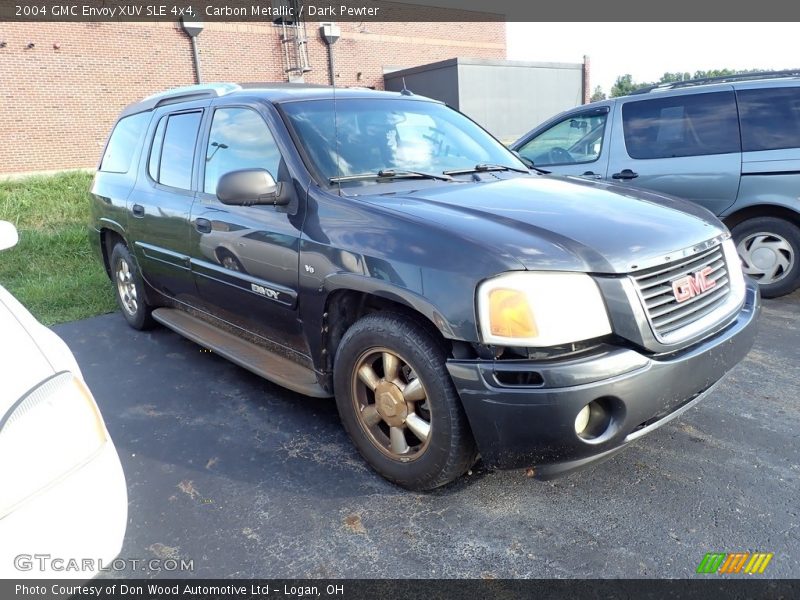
(541, 309)
(734, 264)
(51, 431)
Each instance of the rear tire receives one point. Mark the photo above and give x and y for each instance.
(770, 251)
(129, 289)
(398, 404)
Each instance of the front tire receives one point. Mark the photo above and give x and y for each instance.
(770, 251)
(398, 404)
(129, 289)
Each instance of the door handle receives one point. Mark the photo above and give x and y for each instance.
(591, 175)
(138, 210)
(202, 225)
(625, 174)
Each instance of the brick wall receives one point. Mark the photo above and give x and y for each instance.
(58, 103)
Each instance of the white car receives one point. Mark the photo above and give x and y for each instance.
(63, 499)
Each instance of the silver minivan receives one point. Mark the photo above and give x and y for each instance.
(730, 144)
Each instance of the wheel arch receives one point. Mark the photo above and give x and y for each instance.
(762, 210)
(347, 298)
(110, 234)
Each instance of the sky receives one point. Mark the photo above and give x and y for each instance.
(648, 50)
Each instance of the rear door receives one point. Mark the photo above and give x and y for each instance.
(686, 145)
(161, 202)
(572, 145)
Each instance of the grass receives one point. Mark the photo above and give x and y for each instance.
(53, 270)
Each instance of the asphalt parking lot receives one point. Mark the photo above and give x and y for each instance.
(250, 480)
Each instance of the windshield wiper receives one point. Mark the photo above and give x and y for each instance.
(391, 174)
(483, 168)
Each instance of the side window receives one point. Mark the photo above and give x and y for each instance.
(770, 118)
(576, 139)
(690, 125)
(124, 141)
(172, 154)
(154, 163)
(239, 139)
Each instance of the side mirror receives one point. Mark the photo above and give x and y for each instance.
(8, 235)
(247, 187)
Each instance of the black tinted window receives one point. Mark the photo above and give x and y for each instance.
(770, 118)
(177, 152)
(691, 125)
(240, 139)
(124, 141)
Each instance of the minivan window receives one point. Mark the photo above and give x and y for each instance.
(770, 118)
(576, 139)
(239, 139)
(686, 125)
(124, 141)
(177, 154)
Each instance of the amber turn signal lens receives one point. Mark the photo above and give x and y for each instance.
(509, 314)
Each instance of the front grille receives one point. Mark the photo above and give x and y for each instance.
(664, 312)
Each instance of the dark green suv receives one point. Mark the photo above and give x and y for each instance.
(384, 249)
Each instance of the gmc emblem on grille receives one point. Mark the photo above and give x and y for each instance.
(693, 285)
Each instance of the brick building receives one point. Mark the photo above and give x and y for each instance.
(63, 84)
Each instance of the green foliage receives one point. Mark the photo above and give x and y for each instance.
(598, 94)
(625, 84)
(53, 270)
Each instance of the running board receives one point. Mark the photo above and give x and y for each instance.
(247, 355)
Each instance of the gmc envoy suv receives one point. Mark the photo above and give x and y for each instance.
(384, 249)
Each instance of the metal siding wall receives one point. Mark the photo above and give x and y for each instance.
(511, 100)
(440, 83)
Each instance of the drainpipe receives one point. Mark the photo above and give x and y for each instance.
(330, 33)
(193, 29)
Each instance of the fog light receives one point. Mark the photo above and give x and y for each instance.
(582, 420)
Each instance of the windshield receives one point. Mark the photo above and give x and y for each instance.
(379, 135)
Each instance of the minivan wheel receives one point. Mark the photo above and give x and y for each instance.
(770, 251)
(129, 289)
(398, 404)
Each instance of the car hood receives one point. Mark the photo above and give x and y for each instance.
(23, 363)
(559, 223)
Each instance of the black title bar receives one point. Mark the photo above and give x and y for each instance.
(398, 11)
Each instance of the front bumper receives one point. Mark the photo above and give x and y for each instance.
(534, 426)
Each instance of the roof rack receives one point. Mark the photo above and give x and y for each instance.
(721, 79)
(181, 94)
(190, 92)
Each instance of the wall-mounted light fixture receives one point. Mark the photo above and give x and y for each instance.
(30, 46)
(330, 33)
(3, 44)
(193, 29)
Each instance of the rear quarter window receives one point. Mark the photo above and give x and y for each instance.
(125, 139)
(686, 125)
(770, 118)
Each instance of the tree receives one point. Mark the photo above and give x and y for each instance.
(624, 85)
(598, 94)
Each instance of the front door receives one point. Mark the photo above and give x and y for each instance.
(245, 258)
